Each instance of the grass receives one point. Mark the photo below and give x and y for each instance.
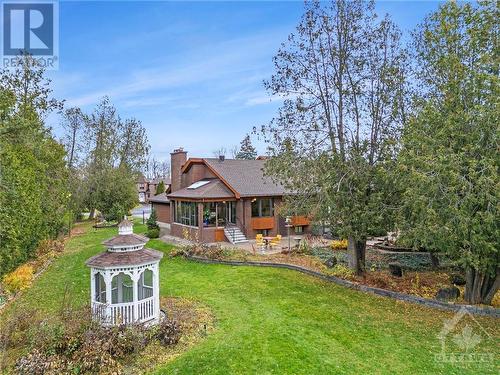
(277, 321)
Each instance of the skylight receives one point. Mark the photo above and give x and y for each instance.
(198, 184)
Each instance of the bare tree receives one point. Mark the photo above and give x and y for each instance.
(164, 168)
(219, 152)
(73, 123)
(334, 136)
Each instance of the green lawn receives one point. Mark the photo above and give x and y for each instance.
(277, 321)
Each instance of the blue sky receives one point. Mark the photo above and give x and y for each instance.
(190, 71)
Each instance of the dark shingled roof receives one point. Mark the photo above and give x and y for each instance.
(246, 177)
(160, 198)
(214, 189)
(126, 239)
(126, 258)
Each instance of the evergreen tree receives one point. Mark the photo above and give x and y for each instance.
(160, 188)
(33, 174)
(450, 154)
(151, 223)
(247, 151)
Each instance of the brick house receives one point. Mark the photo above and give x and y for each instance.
(142, 188)
(218, 199)
(146, 189)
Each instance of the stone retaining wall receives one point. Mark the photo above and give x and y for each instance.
(476, 310)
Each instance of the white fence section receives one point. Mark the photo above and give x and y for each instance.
(124, 313)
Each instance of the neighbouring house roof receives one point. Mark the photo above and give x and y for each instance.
(246, 177)
(126, 240)
(156, 181)
(160, 198)
(215, 188)
(129, 258)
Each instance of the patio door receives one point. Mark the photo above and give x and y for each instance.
(231, 212)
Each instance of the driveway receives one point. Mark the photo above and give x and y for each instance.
(144, 208)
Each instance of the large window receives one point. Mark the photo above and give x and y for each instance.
(186, 213)
(262, 207)
(222, 212)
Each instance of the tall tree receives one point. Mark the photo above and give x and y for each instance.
(73, 124)
(334, 138)
(114, 148)
(33, 179)
(133, 145)
(247, 151)
(450, 154)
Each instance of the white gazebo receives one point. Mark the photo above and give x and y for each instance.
(125, 284)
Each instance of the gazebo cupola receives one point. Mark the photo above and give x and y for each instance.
(125, 280)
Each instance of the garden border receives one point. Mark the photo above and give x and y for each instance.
(476, 310)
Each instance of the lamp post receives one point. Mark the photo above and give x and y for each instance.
(288, 221)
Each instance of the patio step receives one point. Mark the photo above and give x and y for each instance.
(235, 235)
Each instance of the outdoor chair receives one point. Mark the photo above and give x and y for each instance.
(259, 241)
(276, 241)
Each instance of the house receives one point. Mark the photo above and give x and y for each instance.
(219, 199)
(142, 187)
(147, 188)
(153, 184)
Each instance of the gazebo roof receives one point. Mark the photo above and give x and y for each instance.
(126, 240)
(129, 258)
(125, 223)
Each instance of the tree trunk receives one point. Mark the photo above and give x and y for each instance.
(92, 214)
(480, 287)
(434, 260)
(357, 249)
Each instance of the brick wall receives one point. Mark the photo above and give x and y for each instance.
(162, 212)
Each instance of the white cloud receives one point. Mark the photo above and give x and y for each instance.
(219, 64)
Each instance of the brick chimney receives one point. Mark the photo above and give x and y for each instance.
(177, 159)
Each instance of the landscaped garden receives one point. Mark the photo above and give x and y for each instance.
(261, 320)
(402, 270)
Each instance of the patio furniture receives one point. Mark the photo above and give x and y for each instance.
(276, 241)
(267, 240)
(259, 241)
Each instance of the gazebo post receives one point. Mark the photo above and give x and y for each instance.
(135, 294)
(108, 314)
(119, 287)
(92, 287)
(156, 289)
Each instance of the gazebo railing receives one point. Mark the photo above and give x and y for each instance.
(124, 313)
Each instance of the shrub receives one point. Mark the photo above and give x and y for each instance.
(18, 279)
(342, 271)
(71, 342)
(168, 332)
(153, 233)
(151, 223)
(339, 244)
(304, 247)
